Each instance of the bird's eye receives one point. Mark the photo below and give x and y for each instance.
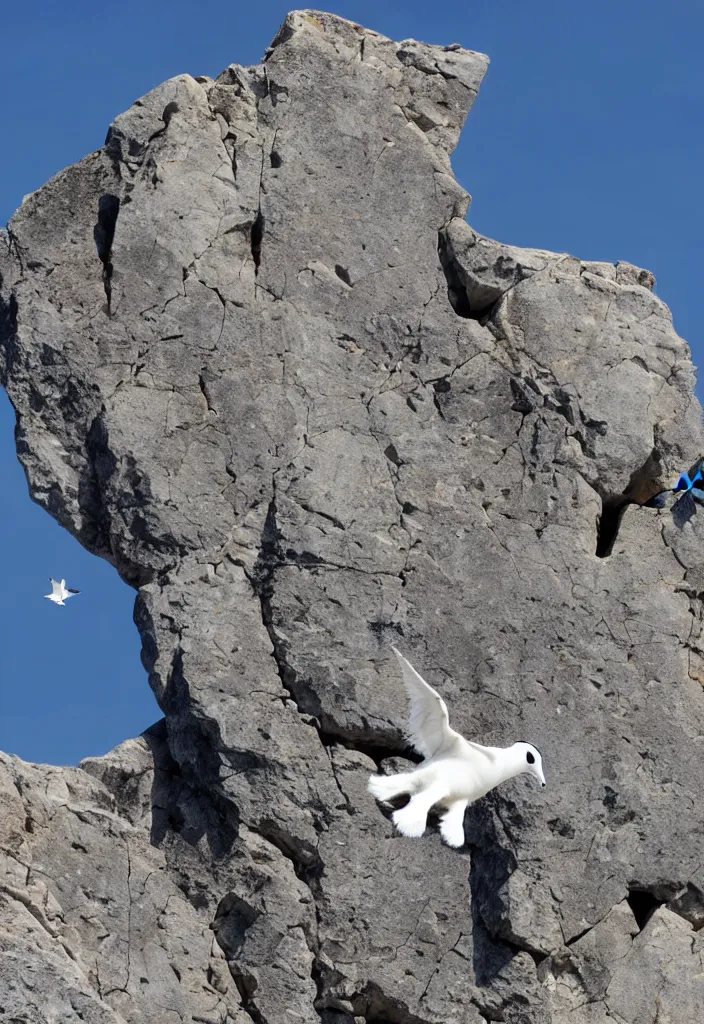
(529, 758)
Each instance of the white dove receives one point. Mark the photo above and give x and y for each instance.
(455, 772)
(60, 593)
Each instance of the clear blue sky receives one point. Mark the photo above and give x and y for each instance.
(587, 137)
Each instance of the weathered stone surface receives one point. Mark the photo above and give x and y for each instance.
(262, 365)
(97, 923)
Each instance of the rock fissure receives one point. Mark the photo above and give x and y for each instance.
(456, 292)
(104, 236)
(262, 580)
(256, 238)
(609, 521)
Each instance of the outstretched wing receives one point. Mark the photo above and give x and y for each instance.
(695, 473)
(691, 478)
(428, 724)
(69, 590)
(55, 587)
(697, 478)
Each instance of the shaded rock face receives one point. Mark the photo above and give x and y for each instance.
(262, 364)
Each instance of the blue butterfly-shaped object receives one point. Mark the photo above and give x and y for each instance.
(691, 487)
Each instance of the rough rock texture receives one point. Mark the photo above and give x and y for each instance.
(261, 364)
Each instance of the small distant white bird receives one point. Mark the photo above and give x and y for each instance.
(455, 772)
(60, 592)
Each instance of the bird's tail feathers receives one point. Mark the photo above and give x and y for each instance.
(386, 787)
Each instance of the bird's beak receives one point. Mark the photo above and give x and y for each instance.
(542, 779)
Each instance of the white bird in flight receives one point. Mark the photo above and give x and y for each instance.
(455, 772)
(60, 593)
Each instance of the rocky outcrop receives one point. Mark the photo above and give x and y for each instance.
(262, 365)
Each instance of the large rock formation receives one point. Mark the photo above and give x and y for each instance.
(262, 365)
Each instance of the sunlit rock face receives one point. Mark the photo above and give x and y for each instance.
(261, 363)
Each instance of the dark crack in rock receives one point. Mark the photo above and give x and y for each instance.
(306, 411)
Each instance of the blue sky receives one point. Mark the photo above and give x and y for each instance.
(587, 138)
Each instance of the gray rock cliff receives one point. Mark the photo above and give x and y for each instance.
(261, 364)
